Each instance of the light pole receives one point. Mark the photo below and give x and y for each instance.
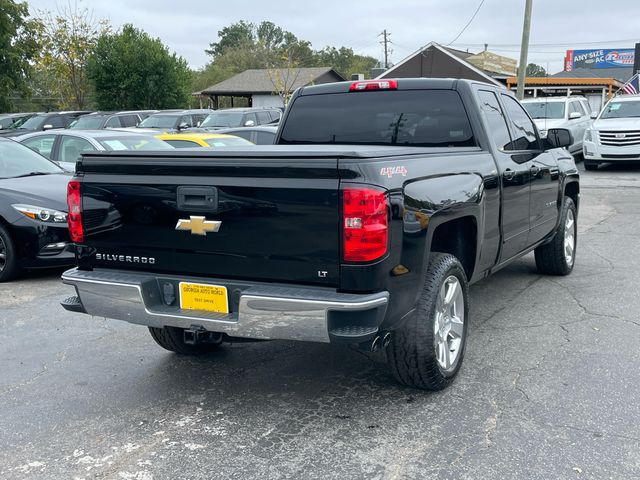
(524, 49)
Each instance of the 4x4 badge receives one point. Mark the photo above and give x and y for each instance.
(198, 225)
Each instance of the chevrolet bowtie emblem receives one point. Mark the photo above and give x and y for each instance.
(198, 225)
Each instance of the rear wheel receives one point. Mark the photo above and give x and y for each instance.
(8, 258)
(588, 165)
(426, 352)
(172, 339)
(558, 256)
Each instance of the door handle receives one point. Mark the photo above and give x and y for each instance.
(508, 174)
(534, 170)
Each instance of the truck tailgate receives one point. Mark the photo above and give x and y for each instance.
(278, 220)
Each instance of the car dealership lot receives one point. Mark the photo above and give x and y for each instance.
(548, 388)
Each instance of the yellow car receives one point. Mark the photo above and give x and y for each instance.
(190, 140)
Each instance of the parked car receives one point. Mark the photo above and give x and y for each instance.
(33, 211)
(42, 122)
(572, 113)
(241, 117)
(173, 120)
(262, 135)
(98, 120)
(190, 140)
(10, 120)
(307, 240)
(614, 136)
(65, 147)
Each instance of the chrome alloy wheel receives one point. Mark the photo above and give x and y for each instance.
(3, 255)
(569, 237)
(448, 325)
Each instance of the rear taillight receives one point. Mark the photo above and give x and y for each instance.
(364, 224)
(75, 212)
(373, 85)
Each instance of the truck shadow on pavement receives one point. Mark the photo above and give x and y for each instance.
(305, 370)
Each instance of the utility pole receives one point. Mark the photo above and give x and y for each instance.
(385, 41)
(524, 49)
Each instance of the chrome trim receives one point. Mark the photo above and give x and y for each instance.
(264, 311)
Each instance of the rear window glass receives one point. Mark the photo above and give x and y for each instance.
(429, 118)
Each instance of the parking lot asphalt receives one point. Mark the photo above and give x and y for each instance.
(549, 388)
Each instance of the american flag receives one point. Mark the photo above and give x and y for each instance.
(632, 87)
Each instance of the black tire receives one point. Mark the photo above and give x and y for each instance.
(172, 339)
(8, 257)
(412, 354)
(550, 257)
(588, 165)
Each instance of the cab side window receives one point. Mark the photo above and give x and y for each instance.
(42, 144)
(495, 119)
(58, 121)
(113, 122)
(263, 117)
(129, 120)
(72, 147)
(198, 119)
(249, 117)
(524, 131)
(576, 107)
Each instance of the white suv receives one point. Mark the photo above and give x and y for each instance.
(615, 134)
(572, 113)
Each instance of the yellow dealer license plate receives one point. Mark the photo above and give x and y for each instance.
(197, 296)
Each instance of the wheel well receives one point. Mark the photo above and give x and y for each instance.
(459, 238)
(572, 190)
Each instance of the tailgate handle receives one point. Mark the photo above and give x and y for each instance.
(202, 199)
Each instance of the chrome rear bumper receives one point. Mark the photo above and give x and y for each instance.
(260, 311)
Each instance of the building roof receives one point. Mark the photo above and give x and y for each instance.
(621, 74)
(265, 80)
(458, 56)
(461, 54)
(565, 81)
(493, 64)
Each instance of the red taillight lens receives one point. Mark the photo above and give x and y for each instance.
(364, 224)
(373, 85)
(75, 212)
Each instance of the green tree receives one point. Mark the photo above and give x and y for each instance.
(243, 45)
(67, 42)
(534, 70)
(237, 35)
(131, 70)
(345, 61)
(18, 46)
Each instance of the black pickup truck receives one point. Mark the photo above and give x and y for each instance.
(381, 202)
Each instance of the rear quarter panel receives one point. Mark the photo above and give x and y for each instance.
(425, 191)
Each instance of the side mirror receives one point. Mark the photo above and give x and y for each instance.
(183, 125)
(249, 123)
(559, 138)
(574, 115)
(594, 115)
(47, 127)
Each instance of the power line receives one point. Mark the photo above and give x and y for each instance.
(569, 44)
(468, 23)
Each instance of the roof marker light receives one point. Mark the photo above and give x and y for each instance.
(373, 85)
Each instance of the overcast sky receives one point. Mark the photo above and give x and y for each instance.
(188, 26)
